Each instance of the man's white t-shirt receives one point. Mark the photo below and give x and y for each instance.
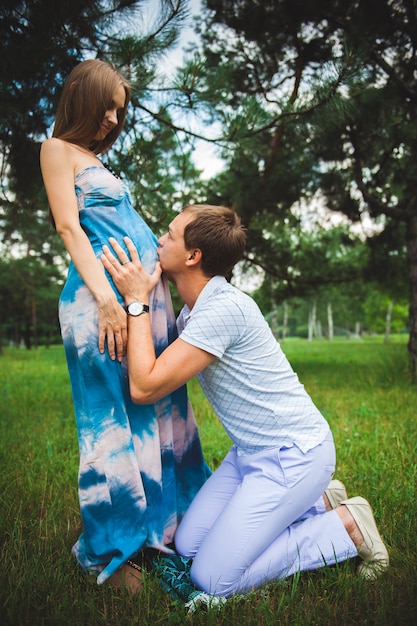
(250, 385)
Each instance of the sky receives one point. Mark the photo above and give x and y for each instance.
(204, 156)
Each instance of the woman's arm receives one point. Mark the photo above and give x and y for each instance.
(58, 170)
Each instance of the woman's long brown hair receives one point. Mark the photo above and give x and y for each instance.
(86, 96)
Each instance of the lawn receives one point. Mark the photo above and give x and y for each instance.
(362, 388)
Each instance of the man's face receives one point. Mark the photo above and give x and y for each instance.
(171, 252)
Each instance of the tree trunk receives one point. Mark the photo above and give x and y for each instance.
(312, 322)
(16, 333)
(285, 322)
(330, 321)
(28, 321)
(411, 241)
(49, 336)
(274, 320)
(388, 322)
(34, 323)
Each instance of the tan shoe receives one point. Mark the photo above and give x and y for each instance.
(336, 492)
(372, 551)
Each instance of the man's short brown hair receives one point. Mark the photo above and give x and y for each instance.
(218, 232)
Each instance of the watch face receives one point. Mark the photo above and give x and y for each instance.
(135, 308)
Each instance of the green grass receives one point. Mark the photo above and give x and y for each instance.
(364, 391)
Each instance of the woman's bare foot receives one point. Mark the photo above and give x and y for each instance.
(128, 577)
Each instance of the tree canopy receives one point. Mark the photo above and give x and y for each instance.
(311, 103)
(316, 99)
(41, 41)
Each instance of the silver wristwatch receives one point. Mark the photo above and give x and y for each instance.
(137, 308)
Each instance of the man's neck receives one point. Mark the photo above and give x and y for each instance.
(190, 286)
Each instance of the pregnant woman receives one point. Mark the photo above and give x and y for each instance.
(140, 466)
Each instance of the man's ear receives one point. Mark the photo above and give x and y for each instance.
(194, 256)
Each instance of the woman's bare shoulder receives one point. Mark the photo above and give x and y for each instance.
(56, 153)
(53, 145)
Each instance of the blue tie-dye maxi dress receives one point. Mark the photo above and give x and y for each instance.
(140, 466)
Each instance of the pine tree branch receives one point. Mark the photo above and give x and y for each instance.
(390, 71)
(377, 207)
(298, 280)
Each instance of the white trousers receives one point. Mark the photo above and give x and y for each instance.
(262, 517)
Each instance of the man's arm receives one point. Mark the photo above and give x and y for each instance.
(150, 378)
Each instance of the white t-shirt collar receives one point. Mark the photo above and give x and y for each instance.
(204, 294)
